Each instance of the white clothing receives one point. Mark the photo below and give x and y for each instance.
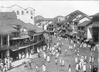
(69, 70)
(76, 59)
(77, 66)
(27, 55)
(80, 64)
(84, 67)
(44, 48)
(57, 55)
(60, 60)
(43, 68)
(44, 55)
(48, 58)
(38, 50)
(82, 60)
(74, 45)
(84, 45)
(70, 47)
(63, 62)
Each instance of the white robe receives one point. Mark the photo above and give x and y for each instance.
(43, 68)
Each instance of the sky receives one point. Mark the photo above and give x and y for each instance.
(50, 9)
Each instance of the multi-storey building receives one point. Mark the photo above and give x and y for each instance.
(18, 40)
(26, 15)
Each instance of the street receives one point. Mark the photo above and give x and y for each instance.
(68, 57)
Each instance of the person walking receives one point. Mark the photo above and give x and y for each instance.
(48, 59)
(69, 68)
(63, 63)
(77, 67)
(84, 67)
(76, 60)
(43, 68)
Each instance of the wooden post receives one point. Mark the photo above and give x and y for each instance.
(8, 40)
(8, 44)
(1, 40)
(1, 46)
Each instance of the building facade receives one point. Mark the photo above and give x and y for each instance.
(17, 40)
(26, 15)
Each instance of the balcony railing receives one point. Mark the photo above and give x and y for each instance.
(17, 47)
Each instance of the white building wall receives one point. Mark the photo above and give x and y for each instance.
(25, 17)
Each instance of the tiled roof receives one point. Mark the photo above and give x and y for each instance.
(8, 21)
(7, 15)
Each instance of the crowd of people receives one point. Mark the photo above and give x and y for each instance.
(5, 64)
(46, 52)
(82, 62)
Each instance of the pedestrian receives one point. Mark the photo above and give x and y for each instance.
(77, 67)
(48, 59)
(69, 68)
(84, 67)
(80, 65)
(63, 62)
(95, 69)
(37, 68)
(44, 54)
(76, 59)
(44, 68)
(56, 61)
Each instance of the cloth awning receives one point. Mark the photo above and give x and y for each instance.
(22, 37)
(84, 24)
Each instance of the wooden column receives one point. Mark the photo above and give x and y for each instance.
(8, 44)
(8, 40)
(1, 40)
(1, 46)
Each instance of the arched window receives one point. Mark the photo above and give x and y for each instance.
(31, 17)
(17, 12)
(31, 13)
(27, 12)
(22, 12)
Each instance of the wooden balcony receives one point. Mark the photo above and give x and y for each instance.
(15, 48)
(20, 46)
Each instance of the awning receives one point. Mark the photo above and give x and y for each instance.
(22, 37)
(84, 24)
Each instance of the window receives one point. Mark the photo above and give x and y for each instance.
(22, 12)
(31, 17)
(31, 13)
(27, 12)
(17, 13)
